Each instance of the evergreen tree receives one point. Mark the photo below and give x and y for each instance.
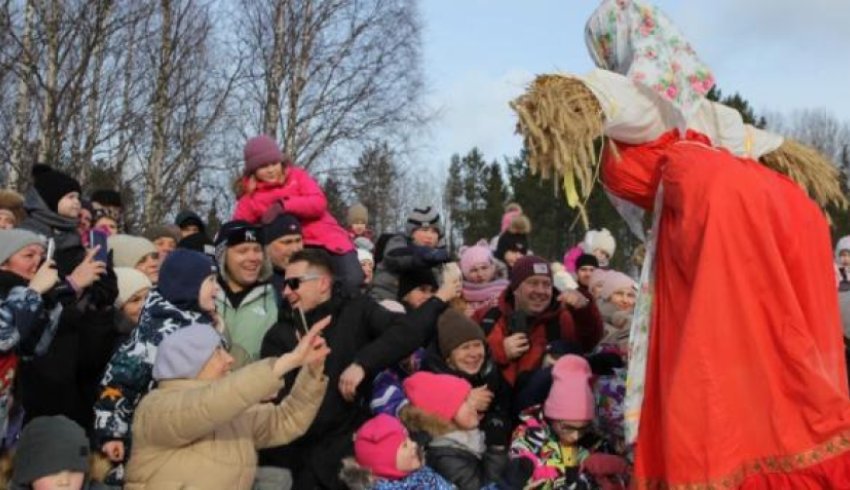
(475, 177)
(495, 197)
(376, 185)
(335, 198)
(452, 201)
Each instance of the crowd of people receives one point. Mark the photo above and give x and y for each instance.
(288, 351)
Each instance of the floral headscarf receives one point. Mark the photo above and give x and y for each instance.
(640, 42)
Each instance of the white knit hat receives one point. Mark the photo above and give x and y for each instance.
(130, 282)
(128, 250)
(600, 240)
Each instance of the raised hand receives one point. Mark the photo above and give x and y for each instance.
(89, 270)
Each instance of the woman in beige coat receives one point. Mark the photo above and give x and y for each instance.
(201, 427)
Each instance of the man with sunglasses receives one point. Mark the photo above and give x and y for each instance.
(364, 339)
(247, 302)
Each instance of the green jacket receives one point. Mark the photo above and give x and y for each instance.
(246, 325)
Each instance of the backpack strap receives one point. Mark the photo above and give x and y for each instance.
(490, 318)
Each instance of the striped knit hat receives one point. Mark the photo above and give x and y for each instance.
(421, 217)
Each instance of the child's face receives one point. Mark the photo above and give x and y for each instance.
(601, 256)
(426, 236)
(408, 457)
(624, 299)
(270, 173)
(569, 431)
(481, 273)
(358, 228)
(69, 206)
(466, 417)
(65, 480)
(844, 258)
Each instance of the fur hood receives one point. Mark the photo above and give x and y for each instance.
(355, 476)
(416, 419)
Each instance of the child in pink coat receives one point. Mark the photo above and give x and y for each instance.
(270, 180)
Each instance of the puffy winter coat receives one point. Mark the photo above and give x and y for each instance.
(302, 197)
(583, 326)
(247, 323)
(129, 374)
(205, 434)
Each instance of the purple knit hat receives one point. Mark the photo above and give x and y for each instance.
(260, 151)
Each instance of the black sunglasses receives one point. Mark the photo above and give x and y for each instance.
(294, 283)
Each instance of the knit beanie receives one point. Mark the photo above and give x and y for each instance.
(598, 278)
(364, 255)
(13, 202)
(585, 260)
(52, 185)
(50, 445)
(453, 329)
(185, 218)
(106, 197)
(412, 279)
(843, 244)
(260, 151)
(570, 397)
(128, 250)
(197, 242)
(421, 217)
(601, 240)
(376, 445)
(238, 232)
(184, 353)
(282, 225)
(11, 241)
(181, 276)
(130, 282)
(156, 232)
(614, 281)
(514, 242)
(440, 395)
(358, 214)
(363, 243)
(472, 256)
(528, 266)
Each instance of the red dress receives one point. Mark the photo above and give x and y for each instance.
(746, 383)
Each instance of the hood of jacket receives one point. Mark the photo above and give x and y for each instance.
(159, 310)
(49, 223)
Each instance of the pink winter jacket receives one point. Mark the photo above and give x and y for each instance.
(302, 197)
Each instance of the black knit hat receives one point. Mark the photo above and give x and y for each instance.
(586, 259)
(52, 185)
(282, 225)
(515, 242)
(50, 445)
(106, 197)
(186, 218)
(412, 279)
(199, 242)
(237, 232)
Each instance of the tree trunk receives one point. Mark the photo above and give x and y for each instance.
(274, 76)
(22, 105)
(47, 149)
(153, 174)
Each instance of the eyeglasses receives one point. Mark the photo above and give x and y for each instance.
(294, 283)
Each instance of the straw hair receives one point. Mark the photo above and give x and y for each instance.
(560, 119)
(809, 168)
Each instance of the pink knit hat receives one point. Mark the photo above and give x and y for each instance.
(570, 397)
(261, 151)
(614, 281)
(376, 445)
(471, 256)
(598, 277)
(437, 394)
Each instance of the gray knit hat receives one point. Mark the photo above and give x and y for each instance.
(50, 445)
(184, 353)
(421, 217)
(15, 239)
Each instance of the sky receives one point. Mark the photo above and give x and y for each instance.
(781, 55)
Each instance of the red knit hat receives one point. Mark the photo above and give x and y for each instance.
(261, 151)
(437, 394)
(376, 445)
(528, 266)
(570, 397)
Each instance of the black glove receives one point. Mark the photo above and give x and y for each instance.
(431, 256)
(516, 474)
(604, 363)
(497, 431)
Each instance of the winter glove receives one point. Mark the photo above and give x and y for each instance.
(604, 363)
(600, 465)
(431, 256)
(516, 473)
(496, 431)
